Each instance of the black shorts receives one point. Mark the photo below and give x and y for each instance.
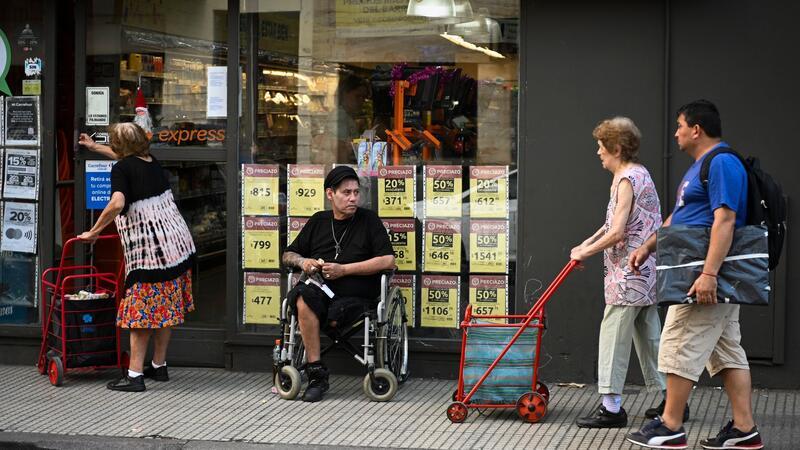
(342, 310)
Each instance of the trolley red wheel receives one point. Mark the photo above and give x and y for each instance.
(55, 371)
(531, 407)
(457, 412)
(541, 388)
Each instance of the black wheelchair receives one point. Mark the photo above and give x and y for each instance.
(384, 348)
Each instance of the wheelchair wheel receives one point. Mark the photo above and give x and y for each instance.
(392, 348)
(383, 388)
(287, 381)
(299, 355)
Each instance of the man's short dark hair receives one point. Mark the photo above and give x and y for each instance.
(703, 113)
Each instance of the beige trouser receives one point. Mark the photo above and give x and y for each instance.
(620, 326)
(698, 336)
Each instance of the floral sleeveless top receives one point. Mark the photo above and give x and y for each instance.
(622, 287)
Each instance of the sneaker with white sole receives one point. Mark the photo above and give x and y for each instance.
(733, 438)
(655, 434)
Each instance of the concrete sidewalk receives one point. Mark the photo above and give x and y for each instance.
(233, 407)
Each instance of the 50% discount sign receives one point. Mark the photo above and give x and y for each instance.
(440, 301)
(442, 246)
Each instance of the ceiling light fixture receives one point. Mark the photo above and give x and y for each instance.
(451, 11)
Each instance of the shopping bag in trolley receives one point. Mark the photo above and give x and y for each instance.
(513, 374)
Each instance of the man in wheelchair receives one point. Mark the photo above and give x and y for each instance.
(342, 252)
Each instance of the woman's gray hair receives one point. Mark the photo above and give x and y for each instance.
(619, 135)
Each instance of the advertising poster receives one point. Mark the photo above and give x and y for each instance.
(262, 298)
(19, 227)
(260, 243)
(306, 194)
(97, 106)
(260, 192)
(442, 249)
(488, 246)
(440, 301)
(397, 191)
(294, 225)
(488, 295)
(21, 175)
(22, 121)
(403, 236)
(406, 285)
(488, 192)
(442, 191)
(98, 183)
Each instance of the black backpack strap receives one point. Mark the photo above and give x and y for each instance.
(706, 165)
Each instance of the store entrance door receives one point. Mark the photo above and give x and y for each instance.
(154, 68)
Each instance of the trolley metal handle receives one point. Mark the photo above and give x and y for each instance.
(66, 250)
(524, 325)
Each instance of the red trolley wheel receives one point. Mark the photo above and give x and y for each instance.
(531, 407)
(457, 412)
(55, 371)
(541, 388)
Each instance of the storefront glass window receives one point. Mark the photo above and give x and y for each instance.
(22, 54)
(424, 107)
(167, 57)
(165, 66)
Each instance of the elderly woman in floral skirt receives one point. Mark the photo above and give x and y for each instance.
(158, 250)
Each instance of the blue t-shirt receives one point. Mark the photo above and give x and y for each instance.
(727, 186)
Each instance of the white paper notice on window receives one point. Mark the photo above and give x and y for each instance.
(217, 99)
(19, 227)
(97, 106)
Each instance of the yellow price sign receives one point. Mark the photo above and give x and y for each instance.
(488, 295)
(260, 243)
(442, 191)
(406, 285)
(294, 225)
(396, 191)
(488, 246)
(306, 194)
(442, 250)
(440, 301)
(488, 192)
(260, 190)
(262, 298)
(403, 236)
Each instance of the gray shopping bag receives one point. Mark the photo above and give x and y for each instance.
(743, 277)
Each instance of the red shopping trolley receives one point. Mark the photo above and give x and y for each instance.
(80, 307)
(500, 361)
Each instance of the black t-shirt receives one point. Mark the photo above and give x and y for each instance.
(138, 179)
(362, 237)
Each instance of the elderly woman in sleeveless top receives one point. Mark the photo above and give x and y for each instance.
(632, 215)
(158, 249)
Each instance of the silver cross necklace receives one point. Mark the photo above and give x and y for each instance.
(338, 242)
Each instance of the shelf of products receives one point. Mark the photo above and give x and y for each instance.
(174, 87)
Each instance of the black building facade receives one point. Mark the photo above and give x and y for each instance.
(564, 67)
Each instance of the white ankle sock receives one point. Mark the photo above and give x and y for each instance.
(612, 402)
(133, 374)
(156, 366)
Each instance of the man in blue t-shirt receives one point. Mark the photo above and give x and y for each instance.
(706, 334)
